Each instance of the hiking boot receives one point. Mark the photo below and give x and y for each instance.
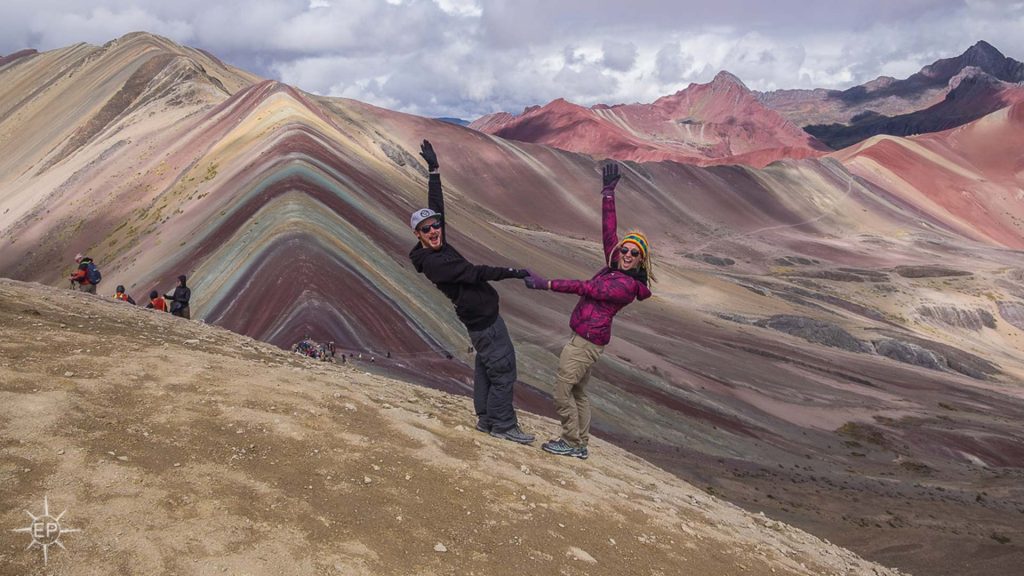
(581, 453)
(514, 434)
(483, 426)
(560, 447)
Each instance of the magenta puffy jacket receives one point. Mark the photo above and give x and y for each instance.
(607, 292)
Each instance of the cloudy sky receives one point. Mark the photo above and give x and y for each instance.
(466, 58)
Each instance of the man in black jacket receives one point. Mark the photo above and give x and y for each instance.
(476, 305)
(180, 299)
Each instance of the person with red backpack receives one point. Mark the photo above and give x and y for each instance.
(157, 302)
(87, 276)
(624, 278)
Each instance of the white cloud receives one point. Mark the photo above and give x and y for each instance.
(618, 56)
(470, 8)
(469, 57)
(671, 65)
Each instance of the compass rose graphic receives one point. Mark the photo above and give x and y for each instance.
(46, 530)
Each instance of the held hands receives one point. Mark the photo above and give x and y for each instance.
(609, 178)
(534, 282)
(427, 151)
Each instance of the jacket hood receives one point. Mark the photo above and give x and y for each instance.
(643, 292)
(638, 274)
(642, 280)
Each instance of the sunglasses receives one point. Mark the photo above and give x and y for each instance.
(634, 251)
(428, 227)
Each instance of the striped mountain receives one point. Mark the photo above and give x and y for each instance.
(288, 212)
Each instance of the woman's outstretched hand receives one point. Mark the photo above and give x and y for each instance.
(427, 151)
(610, 177)
(534, 282)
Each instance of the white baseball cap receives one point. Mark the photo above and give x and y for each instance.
(421, 215)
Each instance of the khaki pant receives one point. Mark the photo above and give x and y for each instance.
(570, 393)
(88, 288)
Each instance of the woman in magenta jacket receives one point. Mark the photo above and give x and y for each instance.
(625, 278)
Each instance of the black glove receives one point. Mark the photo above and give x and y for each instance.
(427, 151)
(519, 273)
(609, 178)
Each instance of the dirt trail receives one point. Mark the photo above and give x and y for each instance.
(177, 447)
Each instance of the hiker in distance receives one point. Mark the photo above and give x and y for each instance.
(179, 298)
(121, 296)
(476, 305)
(86, 276)
(625, 277)
(157, 302)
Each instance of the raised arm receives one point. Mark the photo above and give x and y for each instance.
(435, 195)
(609, 224)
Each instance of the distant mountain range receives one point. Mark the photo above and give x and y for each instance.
(724, 123)
(456, 121)
(943, 95)
(888, 96)
(720, 122)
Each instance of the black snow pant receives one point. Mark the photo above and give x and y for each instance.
(495, 374)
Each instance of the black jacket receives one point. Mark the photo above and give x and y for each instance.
(180, 297)
(465, 284)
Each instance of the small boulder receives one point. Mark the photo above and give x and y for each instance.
(580, 554)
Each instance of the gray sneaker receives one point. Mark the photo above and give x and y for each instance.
(514, 434)
(563, 448)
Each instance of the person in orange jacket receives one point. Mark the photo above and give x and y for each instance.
(157, 302)
(123, 296)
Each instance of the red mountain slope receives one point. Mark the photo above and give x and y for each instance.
(721, 122)
(970, 178)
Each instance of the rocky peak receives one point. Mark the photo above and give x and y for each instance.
(725, 79)
(983, 55)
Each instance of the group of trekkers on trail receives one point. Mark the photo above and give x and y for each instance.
(87, 277)
(626, 277)
(310, 348)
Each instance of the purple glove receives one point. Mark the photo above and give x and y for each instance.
(609, 178)
(534, 282)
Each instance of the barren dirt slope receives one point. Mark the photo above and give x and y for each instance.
(177, 447)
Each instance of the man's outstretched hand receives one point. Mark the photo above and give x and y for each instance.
(609, 178)
(427, 151)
